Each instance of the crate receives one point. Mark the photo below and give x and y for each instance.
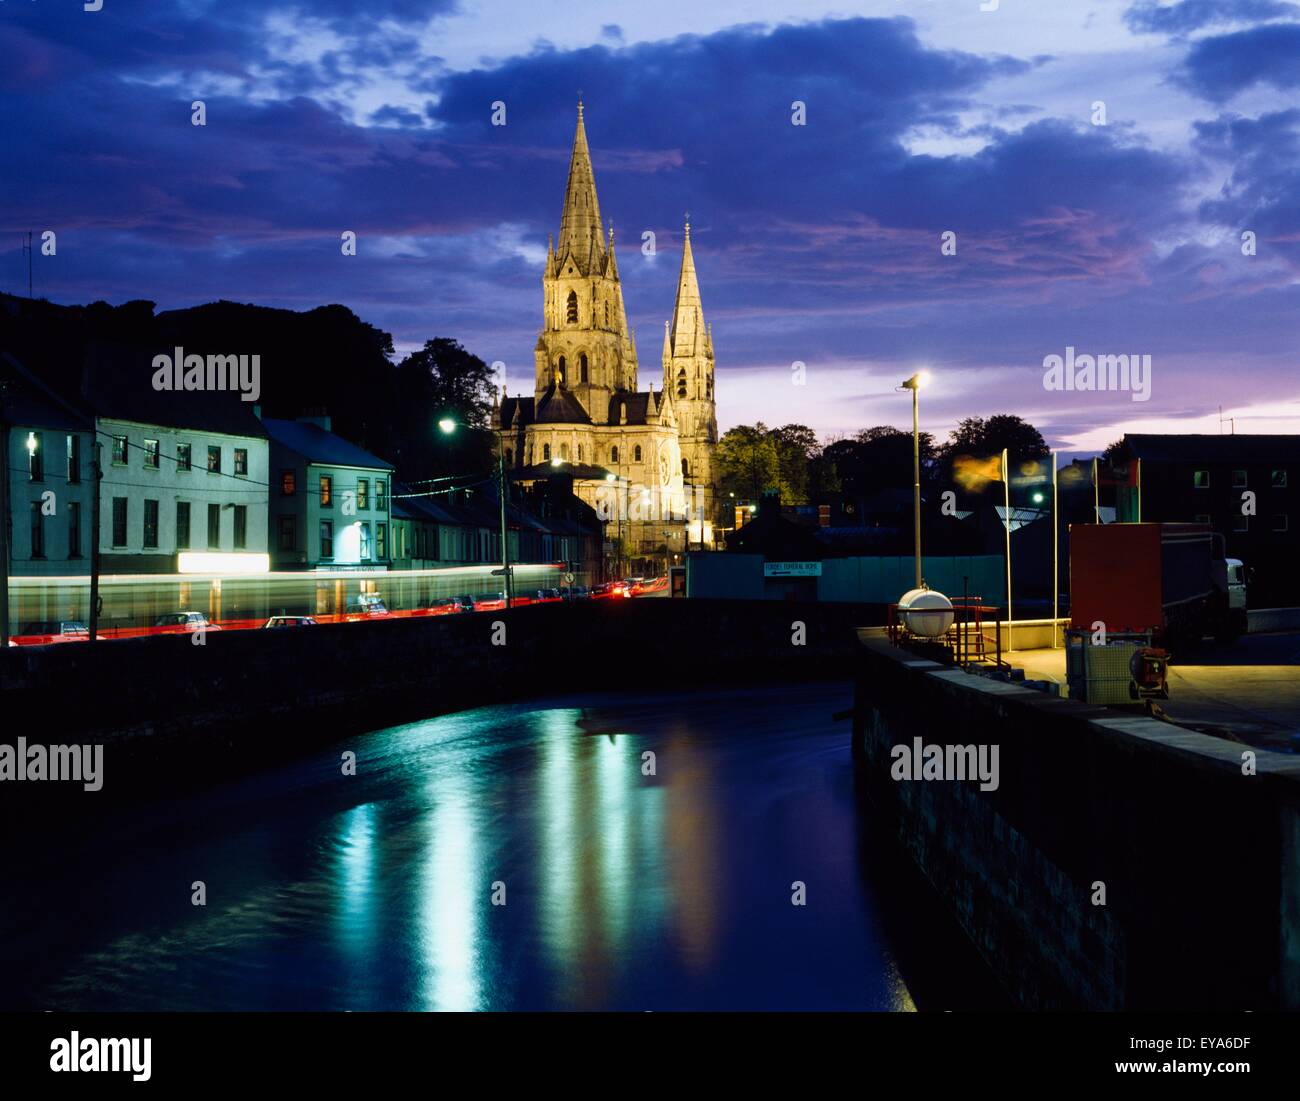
(1101, 674)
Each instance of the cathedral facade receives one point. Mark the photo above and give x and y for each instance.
(643, 459)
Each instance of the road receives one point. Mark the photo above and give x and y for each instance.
(1247, 692)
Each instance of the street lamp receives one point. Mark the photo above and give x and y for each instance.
(448, 426)
(921, 378)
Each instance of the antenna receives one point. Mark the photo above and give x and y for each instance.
(27, 248)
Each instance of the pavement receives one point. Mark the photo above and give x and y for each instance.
(1248, 691)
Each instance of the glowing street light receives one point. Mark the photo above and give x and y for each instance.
(448, 426)
(921, 378)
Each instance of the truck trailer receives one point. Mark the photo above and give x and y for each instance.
(1167, 578)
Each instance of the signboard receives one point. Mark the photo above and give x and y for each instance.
(792, 569)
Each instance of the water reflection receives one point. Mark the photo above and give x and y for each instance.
(624, 888)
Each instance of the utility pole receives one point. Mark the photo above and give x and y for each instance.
(96, 474)
(4, 525)
(505, 535)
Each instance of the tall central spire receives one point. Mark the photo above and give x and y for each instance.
(688, 313)
(580, 228)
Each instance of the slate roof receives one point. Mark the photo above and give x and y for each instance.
(316, 445)
(638, 408)
(559, 406)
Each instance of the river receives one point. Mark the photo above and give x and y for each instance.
(622, 881)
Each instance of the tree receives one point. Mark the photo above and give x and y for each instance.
(444, 381)
(748, 462)
(796, 448)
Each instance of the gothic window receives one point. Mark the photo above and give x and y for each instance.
(546, 452)
(636, 453)
(708, 389)
(579, 452)
(681, 384)
(582, 366)
(607, 315)
(613, 454)
(686, 468)
(510, 456)
(573, 308)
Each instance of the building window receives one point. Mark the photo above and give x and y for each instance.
(288, 533)
(546, 452)
(579, 452)
(119, 451)
(1201, 479)
(381, 496)
(686, 470)
(183, 457)
(74, 460)
(1279, 522)
(38, 530)
(636, 453)
(182, 525)
(241, 462)
(363, 493)
(241, 527)
(326, 491)
(214, 459)
(1240, 522)
(327, 538)
(681, 384)
(1238, 479)
(582, 367)
(151, 525)
(613, 454)
(607, 315)
(35, 457)
(74, 529)
(381, 541)
(571, 314)
(1278, 479)
(288, 483)
(214, 527)
(365, 540)
(119, 521)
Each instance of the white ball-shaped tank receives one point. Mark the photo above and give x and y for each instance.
(925, 612)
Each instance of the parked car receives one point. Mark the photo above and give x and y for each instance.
(490, 602)
(290, 621)
(466, 602)
(602, 591)
(577, 592)
(43, 631)
(547, 596)
(365, 606)
(449, 605)
(175, 623)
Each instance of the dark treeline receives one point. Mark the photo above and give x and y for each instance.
(322, 360)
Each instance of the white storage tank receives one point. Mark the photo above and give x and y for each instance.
(925, 612)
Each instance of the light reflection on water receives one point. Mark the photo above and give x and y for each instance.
(374, 891)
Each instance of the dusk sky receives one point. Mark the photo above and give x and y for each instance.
(817, 243)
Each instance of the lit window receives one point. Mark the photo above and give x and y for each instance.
(35, 458)
(182, 456)
(214, 459)
(363, 493)
(326, 491)
(1201, 479)
(151, 454)
(288, 483)
(119, 451)
(1278, 479)
(241, 461)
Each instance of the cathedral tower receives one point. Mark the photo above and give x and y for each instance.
(688, 377)
(585, 349)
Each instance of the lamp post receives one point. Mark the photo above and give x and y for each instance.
(914, 384)
(448, 426)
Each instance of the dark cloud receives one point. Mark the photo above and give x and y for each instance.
(1193, 15)
(1218, 68)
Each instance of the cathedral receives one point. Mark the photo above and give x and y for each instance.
(643, 459)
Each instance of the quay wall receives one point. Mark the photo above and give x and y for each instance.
(1200, 863)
